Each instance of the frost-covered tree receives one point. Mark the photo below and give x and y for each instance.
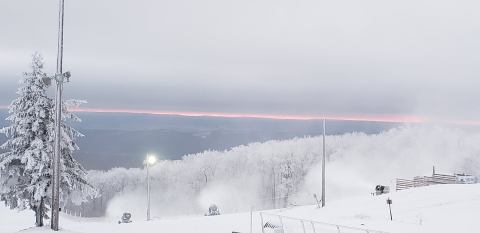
(74, 186)
(25, 164)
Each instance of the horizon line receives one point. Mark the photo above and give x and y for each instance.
(296, 117)
(385, 118)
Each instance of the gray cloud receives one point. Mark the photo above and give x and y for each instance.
(355, 57)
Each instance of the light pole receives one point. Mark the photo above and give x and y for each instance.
(149, 161)
(323, 165)
(60, 77)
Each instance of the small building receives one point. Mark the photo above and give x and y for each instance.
(465, 179)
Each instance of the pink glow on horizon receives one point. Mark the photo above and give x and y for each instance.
(366, 118)
(370, 118)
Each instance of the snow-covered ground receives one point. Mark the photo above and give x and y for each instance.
(434, 209)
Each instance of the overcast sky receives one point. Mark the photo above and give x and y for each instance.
(409, 57)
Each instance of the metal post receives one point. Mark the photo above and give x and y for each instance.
(390, 208)
(251, 219)
(58, 119)
(303, 226)
(389, 202)
(281, 222)
(313, 227)
(323, 166)
(261, 222)
(148, 191)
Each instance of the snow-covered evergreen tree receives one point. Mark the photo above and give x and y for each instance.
(25, 166)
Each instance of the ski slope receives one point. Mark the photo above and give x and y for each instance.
(433, 209)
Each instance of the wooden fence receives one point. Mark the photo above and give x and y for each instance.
(402, 184)
(72, 212)
(420, 181)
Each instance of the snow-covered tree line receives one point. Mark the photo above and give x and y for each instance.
(26, 156)
(280, 173)
(271, 173)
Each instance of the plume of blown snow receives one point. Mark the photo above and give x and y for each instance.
(235, 180)
(357, 162)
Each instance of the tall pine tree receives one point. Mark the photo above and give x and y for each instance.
(25, 166)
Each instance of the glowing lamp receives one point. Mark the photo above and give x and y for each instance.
(151, 159)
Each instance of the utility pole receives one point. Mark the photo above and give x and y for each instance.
(149, 161)
(148, 191)
(323, 166)
(59, 77)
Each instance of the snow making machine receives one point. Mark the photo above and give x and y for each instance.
(126, 218)
(381, 189)
(213, 210)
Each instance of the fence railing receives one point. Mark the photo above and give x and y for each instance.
(402, 184)
(284, 224)
(420, 181)
(74, 213)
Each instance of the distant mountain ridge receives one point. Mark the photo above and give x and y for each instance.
(122, 140)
